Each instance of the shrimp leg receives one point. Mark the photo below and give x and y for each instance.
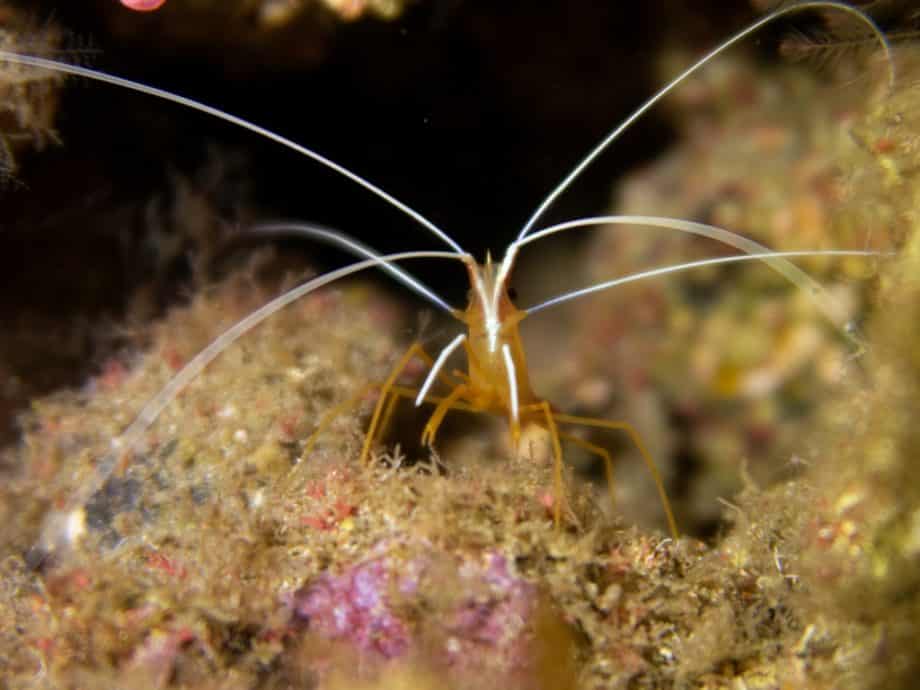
(643, 451)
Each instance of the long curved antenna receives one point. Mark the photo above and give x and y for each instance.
(131, 436)
(96, 75)
(670, 86)
(781, 265)
(345, 241)
(674, 268)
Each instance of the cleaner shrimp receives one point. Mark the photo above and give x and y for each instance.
(497, 379)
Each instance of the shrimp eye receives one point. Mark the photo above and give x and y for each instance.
(512, 294)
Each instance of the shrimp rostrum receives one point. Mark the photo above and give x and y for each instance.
(496, 378)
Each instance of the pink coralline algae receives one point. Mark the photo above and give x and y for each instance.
(496, 614)
(487, 610)
(356, 606)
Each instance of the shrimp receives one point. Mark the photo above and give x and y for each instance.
(496, 380)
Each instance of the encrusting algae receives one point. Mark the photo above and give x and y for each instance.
(29, 97)
(217, 555)
(733, 363)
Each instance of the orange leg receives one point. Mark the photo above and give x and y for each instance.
(434, 422)
(397, 392)
(354, 401)
(412, 394)
(461, 375)
(600, 452)
(388, 411)
(558, 485)
(414, 350)
(330, 416)
(643, 451)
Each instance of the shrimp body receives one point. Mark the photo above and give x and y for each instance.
(497, 381)
(492, 331)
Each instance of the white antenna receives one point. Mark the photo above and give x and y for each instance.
(674, 268)
(348, 243)
(779, 264)
(56, 529)
(76, 70)
(670, 86)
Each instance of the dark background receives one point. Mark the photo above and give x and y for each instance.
(468, 111)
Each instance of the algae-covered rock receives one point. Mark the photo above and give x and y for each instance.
(225, 550)
(861, 545)
(736, 358)
(29, 96)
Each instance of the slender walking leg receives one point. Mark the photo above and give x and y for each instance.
(330, 416)
(388, 412)
(399, 392)
(412, 394)
(600, 452)
(415, 349)
(434, 422)
(558, 485)
(643, 451)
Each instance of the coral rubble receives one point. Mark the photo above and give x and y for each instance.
(738, 357)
